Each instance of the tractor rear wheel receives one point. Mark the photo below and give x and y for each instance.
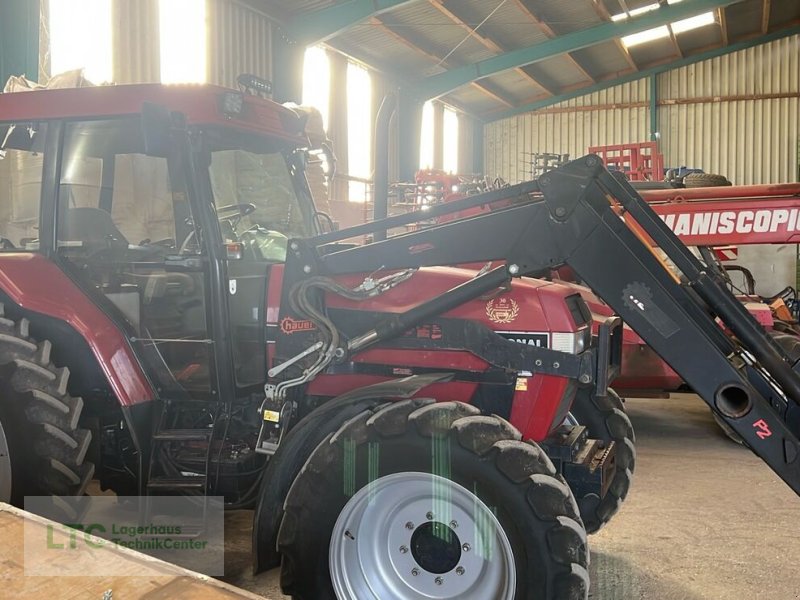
(605, 419)
(423, 499)
(42, 449)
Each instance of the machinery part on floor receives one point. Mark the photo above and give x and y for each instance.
(694, 180)
(490, 467)
(605, 419)
(45, 448)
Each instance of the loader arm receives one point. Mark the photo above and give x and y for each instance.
(572, 216)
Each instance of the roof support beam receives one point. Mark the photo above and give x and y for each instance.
(765, 9)
(603, 13)
(485, 42)
(675, 45)
(548, 31)
(689, 60)
(320, 25)
(417, 47)
(723, 25)
(438, 85)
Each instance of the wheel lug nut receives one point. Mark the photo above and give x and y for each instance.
(438, 581)
(415, 572)
(409, 525)
(453, 524)
(466, 547)
(429, 516)
(460, 570)
(403, 549)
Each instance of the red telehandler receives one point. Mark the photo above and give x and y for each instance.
(177, 321)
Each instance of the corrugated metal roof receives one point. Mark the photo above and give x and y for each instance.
(559, 72)
(653, 52)
(744, 18)
(515, 85)
(509, 26)
(603, 59)
(565, 17)
(698, 39)
(443, 27)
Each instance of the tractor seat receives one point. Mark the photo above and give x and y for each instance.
(91, 225)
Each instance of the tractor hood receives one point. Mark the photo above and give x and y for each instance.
(528, 310)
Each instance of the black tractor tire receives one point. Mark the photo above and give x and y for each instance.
(606, 420)
(485, 455)
(47, 448)
(695, 180)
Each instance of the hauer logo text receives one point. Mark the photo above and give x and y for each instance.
(728, 221)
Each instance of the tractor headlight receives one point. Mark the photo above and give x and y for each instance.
(231, 103)
(573, 342)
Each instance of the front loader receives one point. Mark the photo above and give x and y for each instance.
(582, 219)
(177, 322)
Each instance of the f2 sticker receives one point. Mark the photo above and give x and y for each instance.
(763, 429)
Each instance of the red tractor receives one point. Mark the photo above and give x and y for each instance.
(177, 321)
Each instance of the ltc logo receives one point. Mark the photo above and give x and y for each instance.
(502, 310)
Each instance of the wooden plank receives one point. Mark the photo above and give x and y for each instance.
(145, 577)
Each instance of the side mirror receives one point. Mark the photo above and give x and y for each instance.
(156, 126)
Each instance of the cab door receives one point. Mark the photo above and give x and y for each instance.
(129, 234)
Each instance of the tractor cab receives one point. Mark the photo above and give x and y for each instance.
(171, 228)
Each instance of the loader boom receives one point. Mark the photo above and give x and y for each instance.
(571, 216)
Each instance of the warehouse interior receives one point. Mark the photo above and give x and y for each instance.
(251, 144)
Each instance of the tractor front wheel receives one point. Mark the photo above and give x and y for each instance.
(418, 499)
(605, 419)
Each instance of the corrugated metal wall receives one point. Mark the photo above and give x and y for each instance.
(712, 115)
(604, 117)
(750, 140)
(239, 42)
(135, 40)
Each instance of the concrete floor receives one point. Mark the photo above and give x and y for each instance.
(705, 519)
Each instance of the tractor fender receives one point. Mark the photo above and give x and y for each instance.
(301, 441)
(36, 285)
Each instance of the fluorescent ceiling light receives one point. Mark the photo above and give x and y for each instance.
(645, 36)
(693, 22)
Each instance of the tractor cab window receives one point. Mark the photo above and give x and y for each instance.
(255, 198)
(21, 156)
(125, 224)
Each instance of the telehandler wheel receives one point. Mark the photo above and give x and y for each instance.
(42, 449)
(422, 499)
(606, 420)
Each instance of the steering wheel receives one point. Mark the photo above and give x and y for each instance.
(235, 212)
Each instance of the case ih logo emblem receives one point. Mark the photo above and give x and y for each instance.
(290, 325)
(502, 310)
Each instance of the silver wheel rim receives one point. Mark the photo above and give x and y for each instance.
(5, 467)
(382, 539)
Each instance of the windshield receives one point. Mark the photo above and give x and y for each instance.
(256, 199)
